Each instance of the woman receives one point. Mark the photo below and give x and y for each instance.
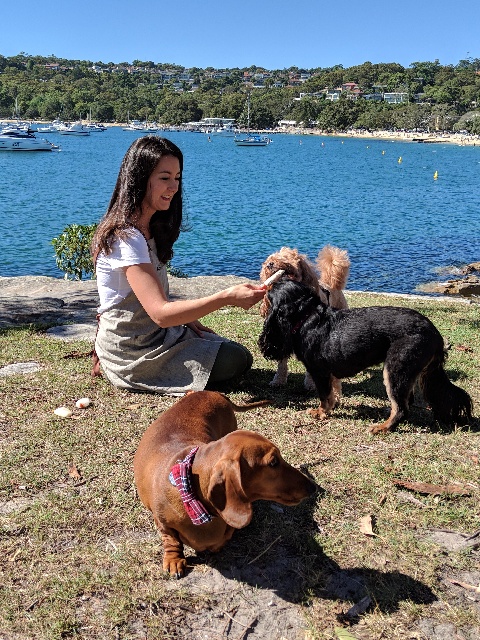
(145, 342)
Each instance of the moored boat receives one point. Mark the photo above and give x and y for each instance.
(94, 127)
(16, 139)
(75, 129)
(143, 127)
(251, 139)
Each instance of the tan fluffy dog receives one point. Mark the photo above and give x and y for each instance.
(230, 469)
(327, 278)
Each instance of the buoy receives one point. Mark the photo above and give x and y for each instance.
(435, 175)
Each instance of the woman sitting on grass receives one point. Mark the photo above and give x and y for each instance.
(146, 342)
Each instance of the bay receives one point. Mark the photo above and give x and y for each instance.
(398, 224)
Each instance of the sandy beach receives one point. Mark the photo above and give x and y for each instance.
(460, 139)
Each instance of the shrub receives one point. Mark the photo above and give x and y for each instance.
(72, 251)
(73, 257)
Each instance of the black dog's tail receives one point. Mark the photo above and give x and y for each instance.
(449, 403)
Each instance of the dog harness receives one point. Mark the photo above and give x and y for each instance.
(181, 477)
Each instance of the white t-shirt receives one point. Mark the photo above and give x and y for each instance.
(112, 283)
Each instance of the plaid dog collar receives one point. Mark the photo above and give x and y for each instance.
(181, 477)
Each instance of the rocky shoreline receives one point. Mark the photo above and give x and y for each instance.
(463, 282)
(33, 299)
(43, 299)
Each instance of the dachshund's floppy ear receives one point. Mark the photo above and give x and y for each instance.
(226, 494)
(275, 341)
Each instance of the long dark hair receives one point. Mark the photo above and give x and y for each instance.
(137, 165)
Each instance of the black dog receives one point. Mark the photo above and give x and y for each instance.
(341, 343)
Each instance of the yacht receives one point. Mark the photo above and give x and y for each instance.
(18, 139)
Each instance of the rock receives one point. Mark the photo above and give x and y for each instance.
(467, 287)
(18, 368)
(41, 299)
(470, 268)
(73, 332)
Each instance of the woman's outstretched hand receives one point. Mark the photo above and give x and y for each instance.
(245, 295)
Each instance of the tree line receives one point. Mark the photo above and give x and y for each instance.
(439, 96)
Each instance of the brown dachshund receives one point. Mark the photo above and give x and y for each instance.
(199, 475)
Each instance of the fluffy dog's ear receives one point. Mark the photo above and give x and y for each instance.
(226, 494)
(275, 341)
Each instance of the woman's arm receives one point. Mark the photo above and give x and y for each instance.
(152, 297)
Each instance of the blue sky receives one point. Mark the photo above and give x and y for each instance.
(274, 34)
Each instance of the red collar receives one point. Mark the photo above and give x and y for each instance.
(302, 320)
(181, 477)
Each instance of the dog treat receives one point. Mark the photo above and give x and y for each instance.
(273, 278)
(63, 412)
(83, 403)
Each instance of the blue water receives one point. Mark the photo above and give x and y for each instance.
(398, 224)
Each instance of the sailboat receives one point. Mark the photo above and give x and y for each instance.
(251, 139)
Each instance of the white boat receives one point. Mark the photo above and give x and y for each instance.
(138, 125)
(75, 129)
(225, 131)
(17, 139)
(49, 128)
(94, 127)
(143, 127)
(251, 139)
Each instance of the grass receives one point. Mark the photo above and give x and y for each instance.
(79, 555)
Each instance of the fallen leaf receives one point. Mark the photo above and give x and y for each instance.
(366, 525)
(343, 634)
(433, 489)
(73, 472)
(463, 347)
(465, 585)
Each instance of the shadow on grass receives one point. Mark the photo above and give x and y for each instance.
(369, 385)
(279, 551)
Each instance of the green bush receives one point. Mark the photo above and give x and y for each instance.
(73, 257)
(72, 251)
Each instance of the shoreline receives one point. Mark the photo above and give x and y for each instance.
(445, 137)
(395, 136)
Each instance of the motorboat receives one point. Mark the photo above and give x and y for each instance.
(94, 127)
(252, 140)
(143, 127)
(49, 128)
(225, 131)
(75, 129)
(18, 139)
(53, 127)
